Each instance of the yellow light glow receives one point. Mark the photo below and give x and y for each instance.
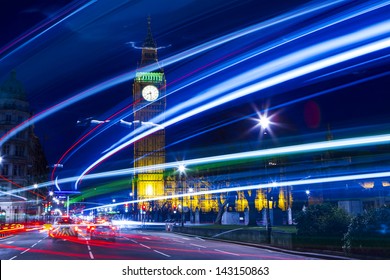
(149, 190)
(367, 185)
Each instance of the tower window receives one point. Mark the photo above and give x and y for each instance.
(18, 170)
(5, 170)
(19, 151)
(6, 149)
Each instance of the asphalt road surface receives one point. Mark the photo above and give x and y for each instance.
(131, 244)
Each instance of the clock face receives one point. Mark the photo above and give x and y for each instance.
(150, 93)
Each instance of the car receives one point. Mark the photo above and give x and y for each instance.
(103, 231)
(64, 228)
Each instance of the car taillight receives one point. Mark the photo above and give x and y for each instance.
(113, 228)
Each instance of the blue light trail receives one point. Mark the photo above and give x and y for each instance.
(348, 143)
(297, 13)
(259, 186)
(366, 33)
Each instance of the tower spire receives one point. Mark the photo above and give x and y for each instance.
(149, 41)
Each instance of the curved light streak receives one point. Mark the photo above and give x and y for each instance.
(272, 67)
(303, 11)
(70, 11)
(255, 53)
(14, 195)
(259, 186)
(280, 151)
(352, 13)
(304, 148)
(289, 75)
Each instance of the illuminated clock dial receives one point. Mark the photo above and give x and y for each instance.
(150, 93)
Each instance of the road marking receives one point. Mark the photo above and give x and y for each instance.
(226, 252)
(34, 245)
(91, 255)
(25, 251)
(145, 246)
(224, 232)
(185, 238)
(146, 238)
(178, 241)
(89, 249)
(197, 245)
(162, 253)
(10, 242)
(14, 257)
(200, 239)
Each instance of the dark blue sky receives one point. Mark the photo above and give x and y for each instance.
(92, 46)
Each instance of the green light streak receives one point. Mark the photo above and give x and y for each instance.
(118, 185)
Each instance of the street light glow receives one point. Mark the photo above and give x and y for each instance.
(182, 168)
(264, 122)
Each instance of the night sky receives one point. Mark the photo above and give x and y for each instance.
(61, 48)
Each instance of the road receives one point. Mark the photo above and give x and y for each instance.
(131, 244)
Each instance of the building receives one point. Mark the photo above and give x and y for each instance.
(22, 159)
(149, 102)
(149, 89)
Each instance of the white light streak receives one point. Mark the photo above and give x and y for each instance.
(287, 150)
(261, 186)
(303, 11)
(278, 79)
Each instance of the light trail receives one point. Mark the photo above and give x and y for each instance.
(327, 75)
(256, 53)
(206, 46)
(305, 10)
(203, 47)
(52, 23)
(89, 133)
(275, 66)
(258, 186)
(363, 80)
(348, 143)
(345, 16)
(14, 195)
(364, 34)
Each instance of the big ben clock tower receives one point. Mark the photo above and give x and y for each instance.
(149, 102)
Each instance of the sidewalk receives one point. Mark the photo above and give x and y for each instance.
(211, 234)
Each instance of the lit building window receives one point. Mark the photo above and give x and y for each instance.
(149, 190)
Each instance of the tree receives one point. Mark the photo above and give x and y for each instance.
(221, 209)
(369, 233)
(250, 196)
(322, 225)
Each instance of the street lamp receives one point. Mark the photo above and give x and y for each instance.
(308, 196)
(264, 122)
(191, 190)
(182, 169)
